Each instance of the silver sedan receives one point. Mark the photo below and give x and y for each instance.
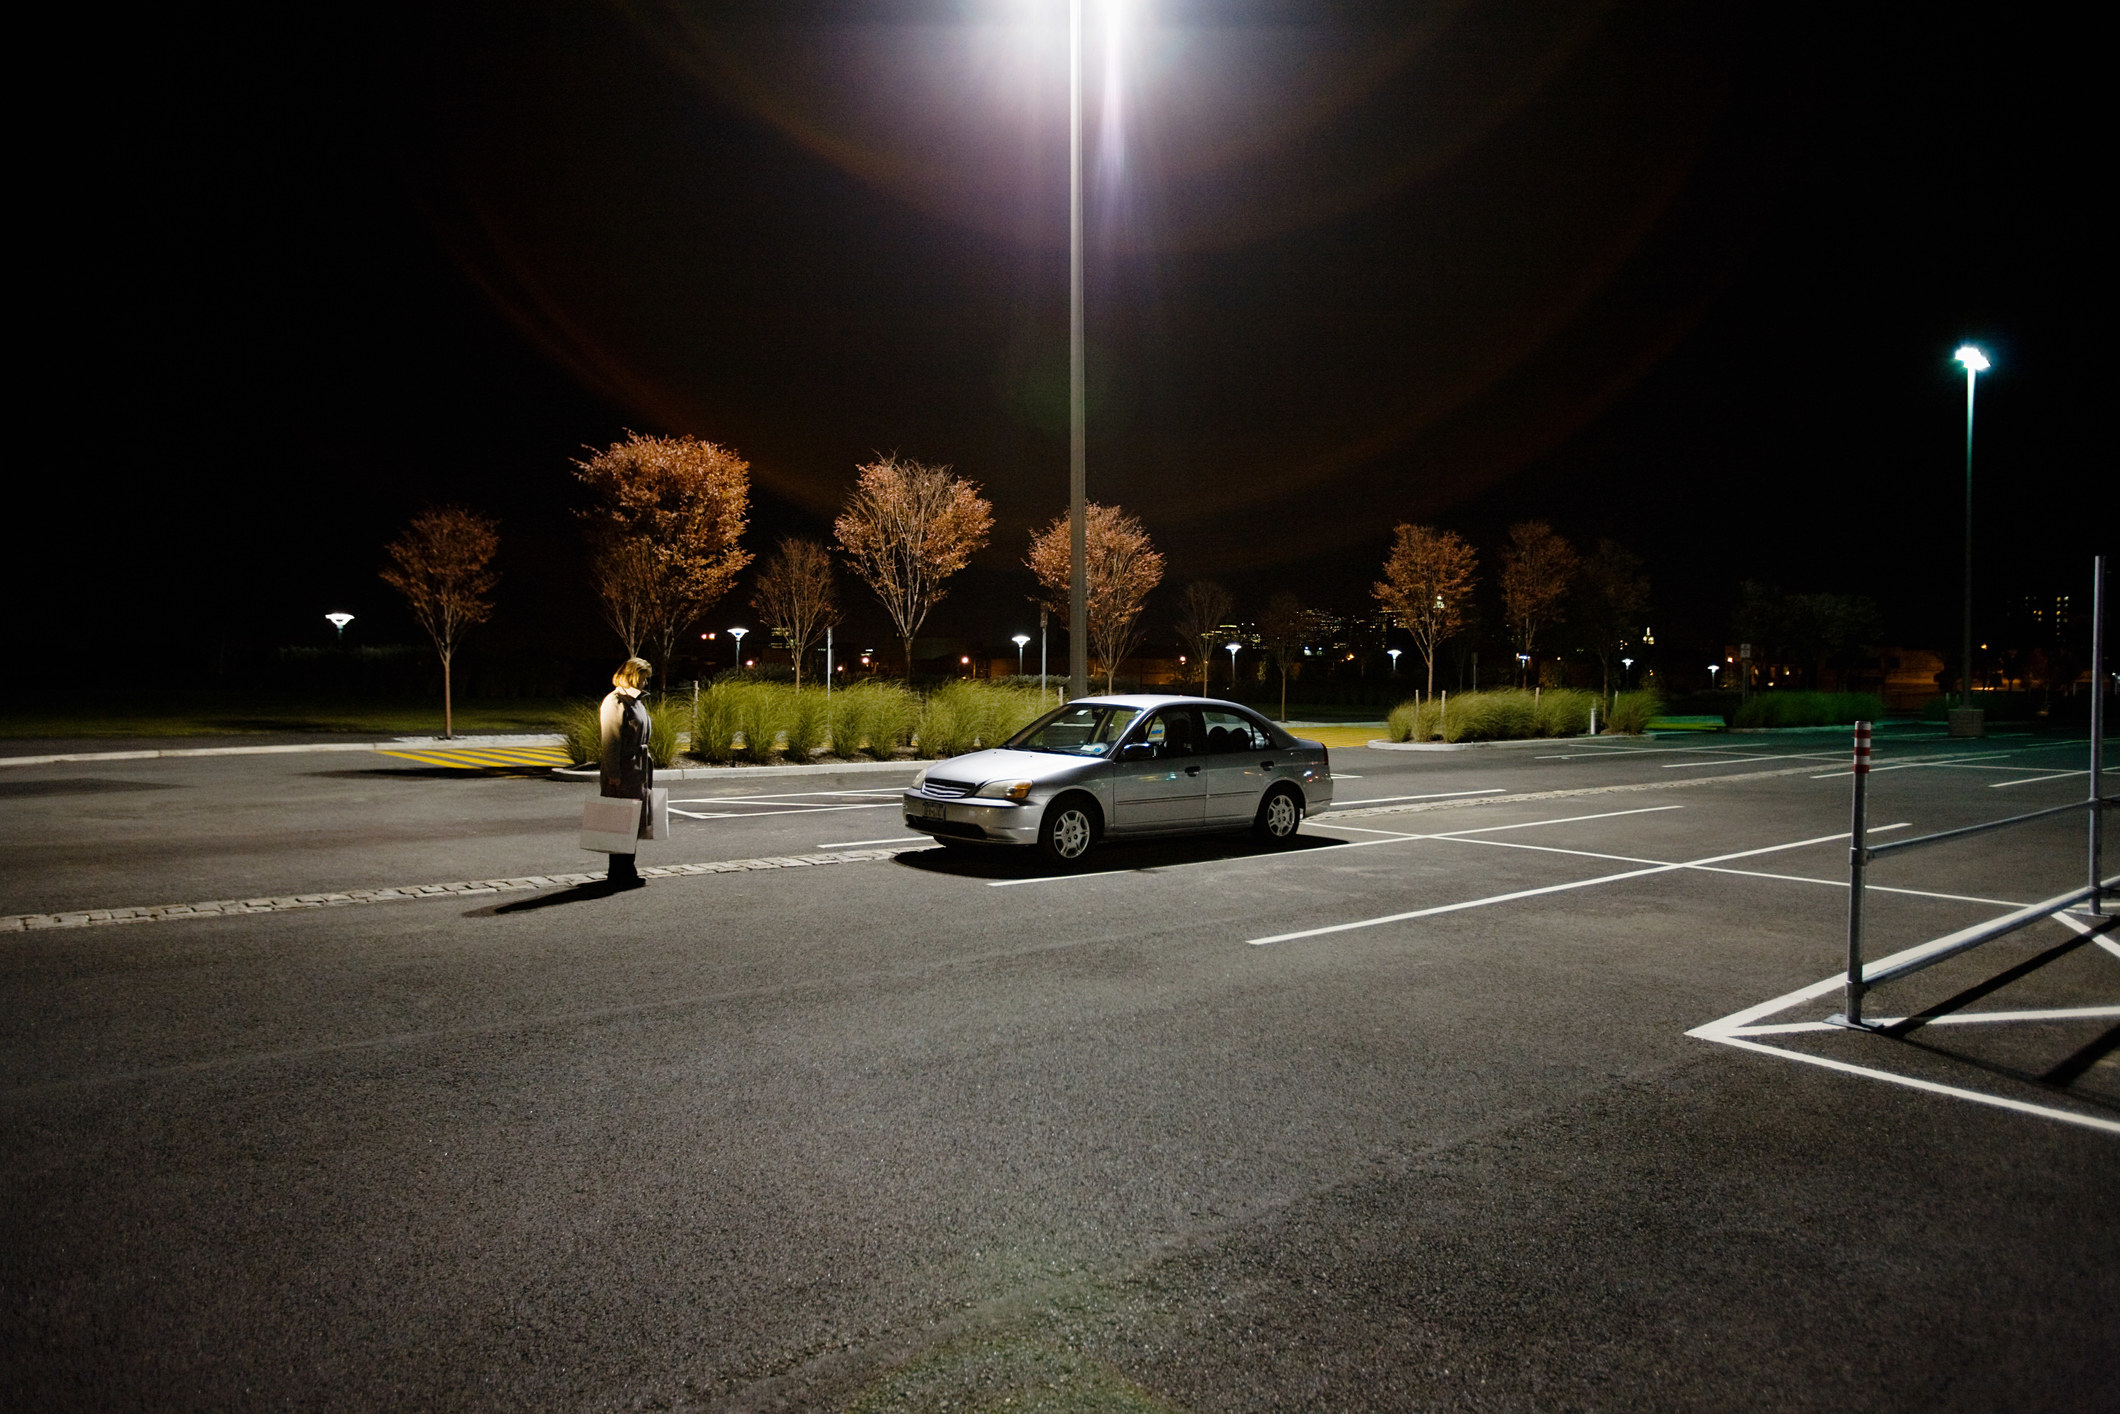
(1125, 767)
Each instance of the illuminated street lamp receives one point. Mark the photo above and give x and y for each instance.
(1713, 669)
(339, 622)
(1077, 380)
(1975, 363)
(1523, 668)
(1021, 640)
(1232, 646)
(737, 634)
(1393, 654)
(1626, 667)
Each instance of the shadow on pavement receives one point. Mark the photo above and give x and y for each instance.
(1145, 857)
(580, 893)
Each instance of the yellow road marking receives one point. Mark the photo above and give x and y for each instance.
(478, 758)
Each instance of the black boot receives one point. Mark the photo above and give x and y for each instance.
(624, 873)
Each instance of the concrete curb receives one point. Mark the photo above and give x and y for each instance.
(695, 773)
(408, 743)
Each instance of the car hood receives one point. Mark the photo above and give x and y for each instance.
(982, 766)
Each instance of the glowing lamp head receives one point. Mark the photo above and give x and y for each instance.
(1974, 360)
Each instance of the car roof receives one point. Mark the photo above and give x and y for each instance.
(1141, 700)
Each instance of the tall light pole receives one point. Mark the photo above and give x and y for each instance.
(1232, 647)
(737, 634)
(1976, 363)
(1021, 640)
(1077, 390)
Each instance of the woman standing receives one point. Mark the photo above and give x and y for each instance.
(626, 768)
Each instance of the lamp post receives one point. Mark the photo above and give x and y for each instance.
(1626, 667)
(1043, 614)
(1232, 647)
(339, 622)
(1021, 641)
(1523, 669)
(1713, 669)
(1393, 654)
(1077, 380)
(737, 634)
(1975, 363)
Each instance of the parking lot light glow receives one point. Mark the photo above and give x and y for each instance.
(339, 622)
(1974, 360)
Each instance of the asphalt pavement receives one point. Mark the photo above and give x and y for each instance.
(1406, 1117)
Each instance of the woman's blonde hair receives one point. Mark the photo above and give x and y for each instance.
(633, 673)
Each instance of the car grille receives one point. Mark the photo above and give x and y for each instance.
(948, 790)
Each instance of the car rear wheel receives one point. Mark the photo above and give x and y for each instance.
(1068, 831)
(1279, 815)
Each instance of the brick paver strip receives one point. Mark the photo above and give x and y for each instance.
(230, 908)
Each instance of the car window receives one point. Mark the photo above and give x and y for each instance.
(1079, 729)
(1227, 731)
(1174, 731)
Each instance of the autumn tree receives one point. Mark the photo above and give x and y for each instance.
(1123, 568)
(795, 595)
(1427, 586)
(1286, 629)
(907, 528)
(442, 564)
(1537, 567)
(664, 534)
(1203, 608)
(1612, 598)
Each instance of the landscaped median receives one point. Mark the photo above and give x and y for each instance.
(759, 723)
(1512, 714)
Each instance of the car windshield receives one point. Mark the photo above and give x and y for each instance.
(1078, 729)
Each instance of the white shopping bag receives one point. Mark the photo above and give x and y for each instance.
(655, 822)
(610, 824)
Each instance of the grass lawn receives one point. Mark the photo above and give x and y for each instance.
(148, 716)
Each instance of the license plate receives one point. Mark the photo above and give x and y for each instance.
(929, 810)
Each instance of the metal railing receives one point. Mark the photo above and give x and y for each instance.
(1861, 852)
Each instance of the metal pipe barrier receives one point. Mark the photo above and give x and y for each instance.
(1860, 852)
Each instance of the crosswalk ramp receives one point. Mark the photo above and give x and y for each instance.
(484, 758)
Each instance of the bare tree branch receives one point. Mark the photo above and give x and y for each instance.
(907, 528)
(795, 595)
(442, 565)
(1123, 568)
(1427, 587)
(665, 528)
(1202, 609)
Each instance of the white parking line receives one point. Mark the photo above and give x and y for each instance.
(1439, 795)
(1735, 1030)
(2034, 780)
(1763, 756)
(1389, 838)
(1955, 1018)
(761, 814)
(856, 844)
(1516, 894)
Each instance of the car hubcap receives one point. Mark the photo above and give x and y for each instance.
(1281, 816)
(1071, 834)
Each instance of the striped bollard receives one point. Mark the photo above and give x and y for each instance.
(1858, 861)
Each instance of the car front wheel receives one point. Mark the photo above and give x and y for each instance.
(1066, 834)
(1279, 815)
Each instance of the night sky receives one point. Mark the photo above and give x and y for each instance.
(1684, 275)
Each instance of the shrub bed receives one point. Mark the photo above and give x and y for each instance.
(1784, 708)
(1507, 715)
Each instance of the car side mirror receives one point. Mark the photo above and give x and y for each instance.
(1137, 751)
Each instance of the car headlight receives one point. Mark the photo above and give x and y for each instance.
(1005, 790)
(921, 779)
